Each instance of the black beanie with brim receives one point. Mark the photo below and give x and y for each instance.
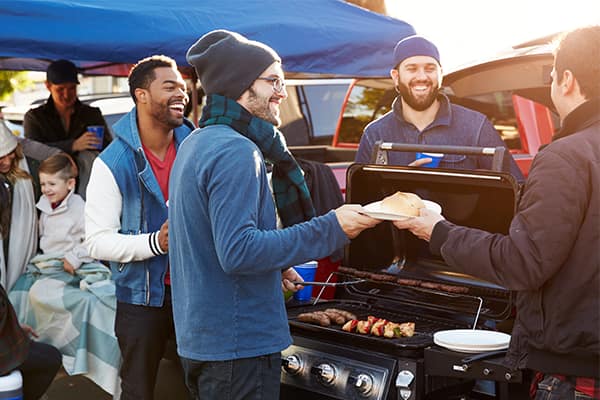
(227, 63)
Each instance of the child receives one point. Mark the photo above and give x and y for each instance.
(61, 221)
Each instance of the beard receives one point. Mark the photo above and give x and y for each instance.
(259, 106)
(162, 113)
(417, 103)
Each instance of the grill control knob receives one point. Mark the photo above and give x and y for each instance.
(291, 364)
(325, 372)
(363, 383)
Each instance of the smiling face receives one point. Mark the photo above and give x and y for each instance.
(166, 97)
(418, 80)
(262, 100)
(55, 187)
(64, 95)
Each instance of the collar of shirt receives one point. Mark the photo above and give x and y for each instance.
(442, 118)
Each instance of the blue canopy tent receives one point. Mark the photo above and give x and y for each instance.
(313, 37)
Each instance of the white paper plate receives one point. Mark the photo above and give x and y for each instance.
(373, 210)
(471, 340)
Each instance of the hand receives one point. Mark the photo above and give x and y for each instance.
(420, 161)
(352, 221)
(87, 141)
(163, 236)
(287, 277)
(420, 226)
(68, 267)
(29, 330)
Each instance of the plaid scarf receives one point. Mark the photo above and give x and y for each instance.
(292, 198)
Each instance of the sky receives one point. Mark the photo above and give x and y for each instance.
(468, 30)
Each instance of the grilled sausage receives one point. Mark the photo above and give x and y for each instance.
(335, 316)
(317, 317)
(346, 314)
(347, 270)
(408, 282)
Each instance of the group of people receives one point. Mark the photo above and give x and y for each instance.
(204, 225)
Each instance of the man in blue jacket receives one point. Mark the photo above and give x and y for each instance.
(126, 217)
(229, 260)
(423, 115)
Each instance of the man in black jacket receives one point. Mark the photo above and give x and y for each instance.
(63, 121)
(551, 255)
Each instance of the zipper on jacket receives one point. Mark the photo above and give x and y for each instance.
(121, 267)
(147, 286)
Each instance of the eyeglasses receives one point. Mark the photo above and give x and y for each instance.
(278, 83)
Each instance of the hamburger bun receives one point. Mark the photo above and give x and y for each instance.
(402, 203)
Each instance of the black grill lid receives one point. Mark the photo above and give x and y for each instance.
(480, 199)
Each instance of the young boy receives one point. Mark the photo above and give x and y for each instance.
(61, 221)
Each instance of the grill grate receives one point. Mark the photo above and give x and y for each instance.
(424, 327)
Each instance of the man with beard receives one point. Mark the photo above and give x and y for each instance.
(63, 121)
(423, 115)
(229, 261)
(550, 256)
(126, 217)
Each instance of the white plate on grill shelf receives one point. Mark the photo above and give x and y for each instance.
(373, 210)
(471, 340)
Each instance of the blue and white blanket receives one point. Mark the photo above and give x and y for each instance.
(75, 313)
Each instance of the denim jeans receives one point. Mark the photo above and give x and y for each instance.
(552, 388)
(142, 333)
(254, 378)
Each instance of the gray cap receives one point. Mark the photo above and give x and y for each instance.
(227, 63)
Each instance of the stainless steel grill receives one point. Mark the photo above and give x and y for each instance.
(329, 363)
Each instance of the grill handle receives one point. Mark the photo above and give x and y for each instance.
(500, 160)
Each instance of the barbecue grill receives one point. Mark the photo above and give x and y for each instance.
(401, 281)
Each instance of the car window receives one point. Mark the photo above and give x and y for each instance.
(323, 105)
(310, 113)
(364, 105)
(499, 107)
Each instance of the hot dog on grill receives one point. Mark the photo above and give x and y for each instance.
(335, 316)
(317, 317)
(346, 314)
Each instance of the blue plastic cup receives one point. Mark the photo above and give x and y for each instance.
(98, 130)
(435, 157)
(307, 272)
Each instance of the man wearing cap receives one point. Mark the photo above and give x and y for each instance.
(551, 255)
(63, 120)
(421, 114)
(229, 261)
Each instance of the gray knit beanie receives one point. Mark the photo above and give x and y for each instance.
(227, 63)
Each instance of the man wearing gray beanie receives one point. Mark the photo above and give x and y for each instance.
(229, 261)
(421, 114)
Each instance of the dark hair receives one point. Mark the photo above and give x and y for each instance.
(579, 51)
(60, 163)
(142, 73)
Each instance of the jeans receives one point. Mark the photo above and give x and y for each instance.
(552, 388)
(142, 333)
(39, 369)
(254, 378)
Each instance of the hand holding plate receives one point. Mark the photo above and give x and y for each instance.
(420, 226)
